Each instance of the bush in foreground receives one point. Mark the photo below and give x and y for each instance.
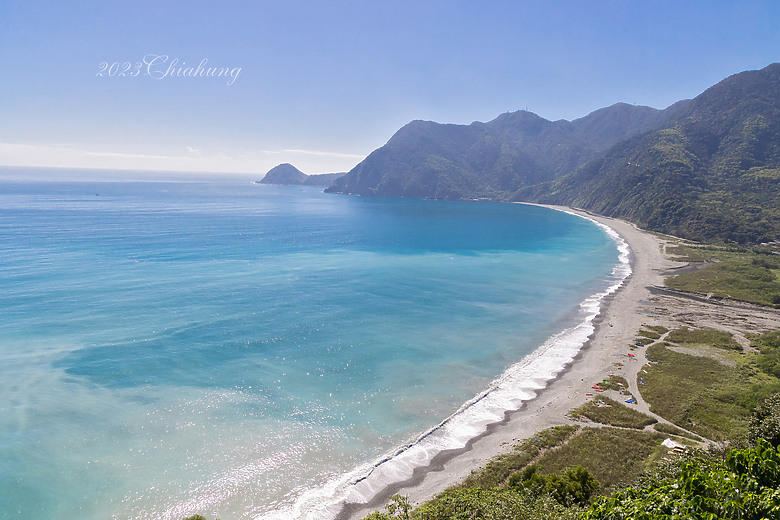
(481, 504)
(745, 486)
(575, 486)
(765, 422)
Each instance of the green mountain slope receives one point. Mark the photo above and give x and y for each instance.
(713, 172)
(706, 169)
(490, 160)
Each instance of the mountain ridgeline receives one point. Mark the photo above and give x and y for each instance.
(704, 169)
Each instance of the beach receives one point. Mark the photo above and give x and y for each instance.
(638, 301)
(265, 342)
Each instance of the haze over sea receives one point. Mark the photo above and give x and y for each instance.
(241, 350)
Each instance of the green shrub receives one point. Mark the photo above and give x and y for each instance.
(493, 504)
(744, 486)
(740, 276)
(765, 422)
(575, 486)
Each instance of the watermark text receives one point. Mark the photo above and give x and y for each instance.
(162, 66)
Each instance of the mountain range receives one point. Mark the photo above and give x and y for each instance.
(704, 169)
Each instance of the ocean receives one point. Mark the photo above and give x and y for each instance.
(244, 351)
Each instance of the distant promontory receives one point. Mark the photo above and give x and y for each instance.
(287, 174)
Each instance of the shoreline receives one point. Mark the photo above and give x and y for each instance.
(614, 328)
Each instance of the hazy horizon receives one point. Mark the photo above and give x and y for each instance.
(242, 87)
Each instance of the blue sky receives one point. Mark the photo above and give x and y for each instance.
(322, 84)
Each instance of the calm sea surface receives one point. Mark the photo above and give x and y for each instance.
(244, 351)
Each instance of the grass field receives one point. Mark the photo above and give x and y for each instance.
(502, 466)
(700, 394)
(674, 430)
(614, 456)
(740, 275)
(707, 337)
(604, 410)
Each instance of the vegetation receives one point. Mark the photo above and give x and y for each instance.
(575, 486)
(482, 504)
(707, 337)
(768, 345)
(490, 160)
(501, 467)
(613, 456)
(649, 334)
(604, 410)
(614, 382)
(765, 422)
(744, 486)
(705, 396)
(697, 253)
(674, 430)
(710, 173)
(747, 276)
(697, 393)
(658, 329)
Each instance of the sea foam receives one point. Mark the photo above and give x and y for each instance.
(519, 384)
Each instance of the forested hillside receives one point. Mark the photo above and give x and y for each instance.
(704, 169)
(712, 173)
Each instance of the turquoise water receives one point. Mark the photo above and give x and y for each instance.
(244, 351)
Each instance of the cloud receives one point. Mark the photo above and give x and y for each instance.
(255, 162)
(324, 154)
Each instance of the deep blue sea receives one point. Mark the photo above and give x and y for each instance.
(247, 351)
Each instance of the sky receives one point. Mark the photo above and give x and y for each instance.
(239, 87)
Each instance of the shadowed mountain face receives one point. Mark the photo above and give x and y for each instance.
(707, 168)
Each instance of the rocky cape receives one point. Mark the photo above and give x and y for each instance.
(287, 174)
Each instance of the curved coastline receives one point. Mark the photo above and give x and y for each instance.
(614, 328)
(614, 324)
(533, 394)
